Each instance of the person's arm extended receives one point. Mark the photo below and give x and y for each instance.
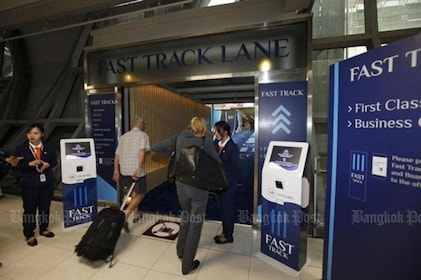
(165, 147)
(13, 160)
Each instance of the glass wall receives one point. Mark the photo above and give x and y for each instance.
(398, 14)
(337, 18)
(321, 61)
(346, 17)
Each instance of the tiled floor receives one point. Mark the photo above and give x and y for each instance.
(137, 256)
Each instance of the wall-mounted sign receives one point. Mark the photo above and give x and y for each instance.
(285, 47)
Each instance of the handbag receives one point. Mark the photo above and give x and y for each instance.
(196, 168)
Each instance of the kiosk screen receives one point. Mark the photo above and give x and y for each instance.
(285, 158)
(78, 150)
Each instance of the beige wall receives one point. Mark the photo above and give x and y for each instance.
(165, 113)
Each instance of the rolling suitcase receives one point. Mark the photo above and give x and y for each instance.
(100, 240)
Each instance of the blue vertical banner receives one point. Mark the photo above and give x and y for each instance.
(102, 113)
(282, 117)
(373, 221)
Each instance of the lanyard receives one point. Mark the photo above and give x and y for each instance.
(33, 151)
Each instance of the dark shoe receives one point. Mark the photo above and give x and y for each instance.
(218, 236)
(137, 217)
(196, 264)
(47, 233)
(126, 227)
(223, 240)
(31, 241)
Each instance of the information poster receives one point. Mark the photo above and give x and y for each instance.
(374, 170)
(103, 131)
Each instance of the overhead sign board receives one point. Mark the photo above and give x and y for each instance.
(285, 47)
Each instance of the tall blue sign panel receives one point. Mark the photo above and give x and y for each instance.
(374, 187)
(102, 108)
(78, 175)
(282, 117)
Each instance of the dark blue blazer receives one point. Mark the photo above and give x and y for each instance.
(29, 176)
(230, 158)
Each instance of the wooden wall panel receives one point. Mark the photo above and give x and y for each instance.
(165, 113)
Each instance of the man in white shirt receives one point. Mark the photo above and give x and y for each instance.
(129, 165)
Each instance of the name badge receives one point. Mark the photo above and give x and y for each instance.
(42, 178)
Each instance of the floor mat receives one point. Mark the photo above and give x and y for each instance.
(164, 229)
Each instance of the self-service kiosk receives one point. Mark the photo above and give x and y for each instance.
(78, 173)
(285, 197)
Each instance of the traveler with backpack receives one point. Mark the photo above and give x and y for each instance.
(193, 201)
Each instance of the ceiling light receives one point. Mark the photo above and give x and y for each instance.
(265, 66)
(220, 2)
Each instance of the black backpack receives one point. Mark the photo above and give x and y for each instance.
(197, 168)
(100, 240)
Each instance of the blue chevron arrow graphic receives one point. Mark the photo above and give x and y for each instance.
(281, 121)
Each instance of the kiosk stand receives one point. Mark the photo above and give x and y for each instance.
(78, 173)
(285, 195)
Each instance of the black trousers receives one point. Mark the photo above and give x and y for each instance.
(36, 198)
(226, 206)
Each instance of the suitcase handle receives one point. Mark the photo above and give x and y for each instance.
(126, 197)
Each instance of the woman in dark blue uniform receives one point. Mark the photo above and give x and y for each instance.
(230, 156)
(36, 181)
